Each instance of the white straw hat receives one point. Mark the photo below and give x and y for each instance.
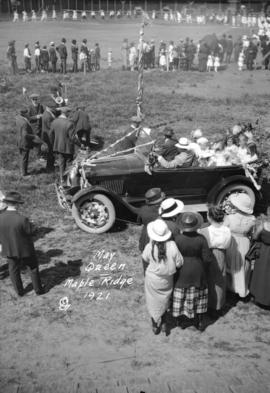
(183, 143)
(242, 202)
(196, 133)
(158, 230)
(170, 207)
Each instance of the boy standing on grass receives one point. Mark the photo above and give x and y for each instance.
(27, 58)
(110, 58)
(17, 244)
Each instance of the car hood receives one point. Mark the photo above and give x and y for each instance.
(119, 165)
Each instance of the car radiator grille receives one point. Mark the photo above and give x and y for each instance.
(115, 186)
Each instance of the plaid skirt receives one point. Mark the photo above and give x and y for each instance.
(190, 301)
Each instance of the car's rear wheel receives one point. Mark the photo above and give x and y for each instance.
(94, 213)
(223, 196)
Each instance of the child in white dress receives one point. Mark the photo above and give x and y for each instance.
(216, 64)
(210, 62)
(163, 60)
(241, 61)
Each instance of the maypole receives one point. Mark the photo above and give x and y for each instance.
(139, 99)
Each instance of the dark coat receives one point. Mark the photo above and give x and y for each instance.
(259, 286)
(52, 55)
(61, 136)
(74, 52)
(25, 133)
(47, 119)
(197, 255)
(33, 111)
(62, 50)
(146, 214)
(15, 235)
(81, 121)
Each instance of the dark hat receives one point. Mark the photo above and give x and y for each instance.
(14, 197)
(64, 40)
(154, 196)
(24, 112)
(168, 131)
(11, 42)
(190, 221)
(73, 42)
(84, 40)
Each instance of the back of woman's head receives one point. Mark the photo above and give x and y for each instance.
(216, 214)
(161, 250)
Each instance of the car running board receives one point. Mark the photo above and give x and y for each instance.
(199, 207)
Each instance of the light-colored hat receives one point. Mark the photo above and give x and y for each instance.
(34, 95)
(65, 109)
(202, 141)
(242, 202)
(13, 197)
(158, 230)
(183, 143)
(196, 133)
(170, 207)
(51, 43)
(236, 129)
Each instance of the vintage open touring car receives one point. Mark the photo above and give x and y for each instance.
(103, 190)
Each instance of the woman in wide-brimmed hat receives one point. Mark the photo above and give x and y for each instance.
(241, 222)
(170, 210)
(162, 258)
(190, 296)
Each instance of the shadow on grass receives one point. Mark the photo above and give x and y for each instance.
(57, 274)
(45, 257)
(41, 232)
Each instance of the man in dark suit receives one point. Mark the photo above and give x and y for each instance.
(53, 56)
(149, 212)
(47, 118)
(17, 244)
(74, 55)
(26, 139)
(62, 139)
(62, 50)
(82, 127)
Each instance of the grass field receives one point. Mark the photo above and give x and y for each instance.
(106, 345)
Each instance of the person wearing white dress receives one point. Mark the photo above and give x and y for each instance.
(241, 222)
(163, 60)
(132, 56)
(216, 63)
(162, 258)
(34, 16)
(44, 16)
(74, 15)
(153, 14)
(25, 17)
(15, 16)
(53, 14)
(241, 61)
(210, 63)
(218, 237)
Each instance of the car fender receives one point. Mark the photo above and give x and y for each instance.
(224, 182)
(124, 211)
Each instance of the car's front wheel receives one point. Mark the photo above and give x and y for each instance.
(235, 189)
(94, 213)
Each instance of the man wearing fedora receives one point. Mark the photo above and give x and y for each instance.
(184, 158)
(62, 50)
(149, 212)
(62, 139)
(17, 244)
(26, 139)
(35, 112)
(48, 117)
